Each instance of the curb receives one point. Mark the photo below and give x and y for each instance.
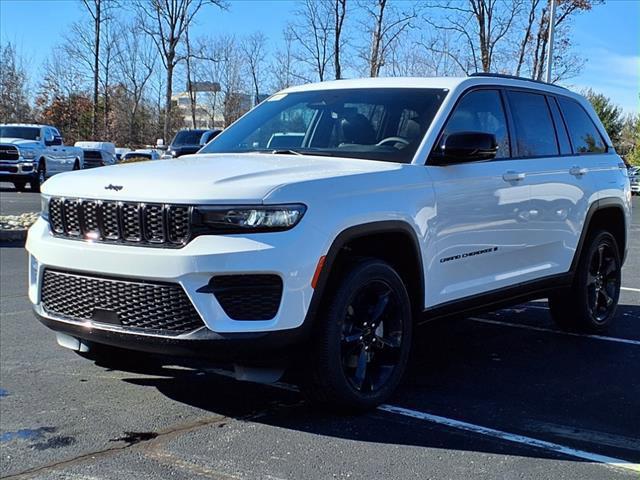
(13, 236)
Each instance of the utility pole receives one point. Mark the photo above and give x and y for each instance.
(552, 27)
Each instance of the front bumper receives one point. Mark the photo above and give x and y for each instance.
(191, 267)
(258, 347)
(12, 171)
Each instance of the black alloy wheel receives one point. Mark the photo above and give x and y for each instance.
(371, 336)
(590, 304)
(361, 339)
(603, 282)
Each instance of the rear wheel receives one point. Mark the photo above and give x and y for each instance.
(362, 342)
(590, 304)
(39, 178)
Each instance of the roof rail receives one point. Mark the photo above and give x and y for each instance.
(512, 77)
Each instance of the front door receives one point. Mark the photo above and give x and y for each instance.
(481, 227)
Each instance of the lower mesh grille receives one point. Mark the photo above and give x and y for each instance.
(157, 307)
(248, 297)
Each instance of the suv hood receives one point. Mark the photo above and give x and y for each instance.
(20, 142)
(206, 178)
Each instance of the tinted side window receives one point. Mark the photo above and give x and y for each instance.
(584, 134)
(561, 129)
(535, 135)
(481, 111)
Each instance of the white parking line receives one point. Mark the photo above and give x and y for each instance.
(512, 437)
(629, 289)
(477, 429)
(559, 332)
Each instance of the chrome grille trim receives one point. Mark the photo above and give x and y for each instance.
(129, 223)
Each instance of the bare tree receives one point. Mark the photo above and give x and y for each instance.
(482, 26)
(14, 105)
(166, 22)
(282, 68)
(99, 11)
(312, 33)
(526, 38)
(253, 48)
(566, 65)
(135, 60)
(385, 24)
(226, 65)
(190, 80)
(339, 13)
(107, 56)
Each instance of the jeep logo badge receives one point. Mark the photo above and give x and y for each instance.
(117, 188)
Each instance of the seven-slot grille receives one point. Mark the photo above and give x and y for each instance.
(121, 222)
(157, 307)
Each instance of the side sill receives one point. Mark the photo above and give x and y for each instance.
(486, 302)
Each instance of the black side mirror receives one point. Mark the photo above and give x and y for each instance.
(464, 147)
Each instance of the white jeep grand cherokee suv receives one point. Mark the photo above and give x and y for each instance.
(391, 201)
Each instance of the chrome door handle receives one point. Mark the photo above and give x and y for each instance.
(514, 176)
(578, 171)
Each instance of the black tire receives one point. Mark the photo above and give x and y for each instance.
(20, 186)
(38, 179)
(76, 165)
(361, 342)
(589, 306)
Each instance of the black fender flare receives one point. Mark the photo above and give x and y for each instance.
(348, 235)
(600, 204)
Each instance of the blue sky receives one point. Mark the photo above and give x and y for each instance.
(608, 36)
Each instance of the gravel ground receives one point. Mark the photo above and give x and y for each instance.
(18, 222)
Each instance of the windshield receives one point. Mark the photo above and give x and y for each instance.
(187, 137)
(27, 133)
(376, 124)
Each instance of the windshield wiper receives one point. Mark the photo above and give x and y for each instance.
(284, 151)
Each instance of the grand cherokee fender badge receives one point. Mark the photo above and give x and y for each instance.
(469, 254)
(111, 186)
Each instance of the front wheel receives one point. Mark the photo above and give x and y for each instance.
(39, 178)
(361, 344)
(19, 186)
(590, 305)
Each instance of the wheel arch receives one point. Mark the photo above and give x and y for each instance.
(363, 239)
(605, 213)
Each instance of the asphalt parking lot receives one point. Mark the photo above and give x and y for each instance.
(501, 395)
(15, 203)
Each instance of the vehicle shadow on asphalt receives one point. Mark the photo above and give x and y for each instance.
(571, 390)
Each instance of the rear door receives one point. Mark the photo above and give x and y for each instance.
(562, 186)
(481, 227)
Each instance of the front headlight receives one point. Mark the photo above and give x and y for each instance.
(28, 154)
(44, 207)
(246, 219)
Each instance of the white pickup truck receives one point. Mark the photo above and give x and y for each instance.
(32, 153)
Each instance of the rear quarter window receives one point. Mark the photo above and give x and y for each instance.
(584, 134)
